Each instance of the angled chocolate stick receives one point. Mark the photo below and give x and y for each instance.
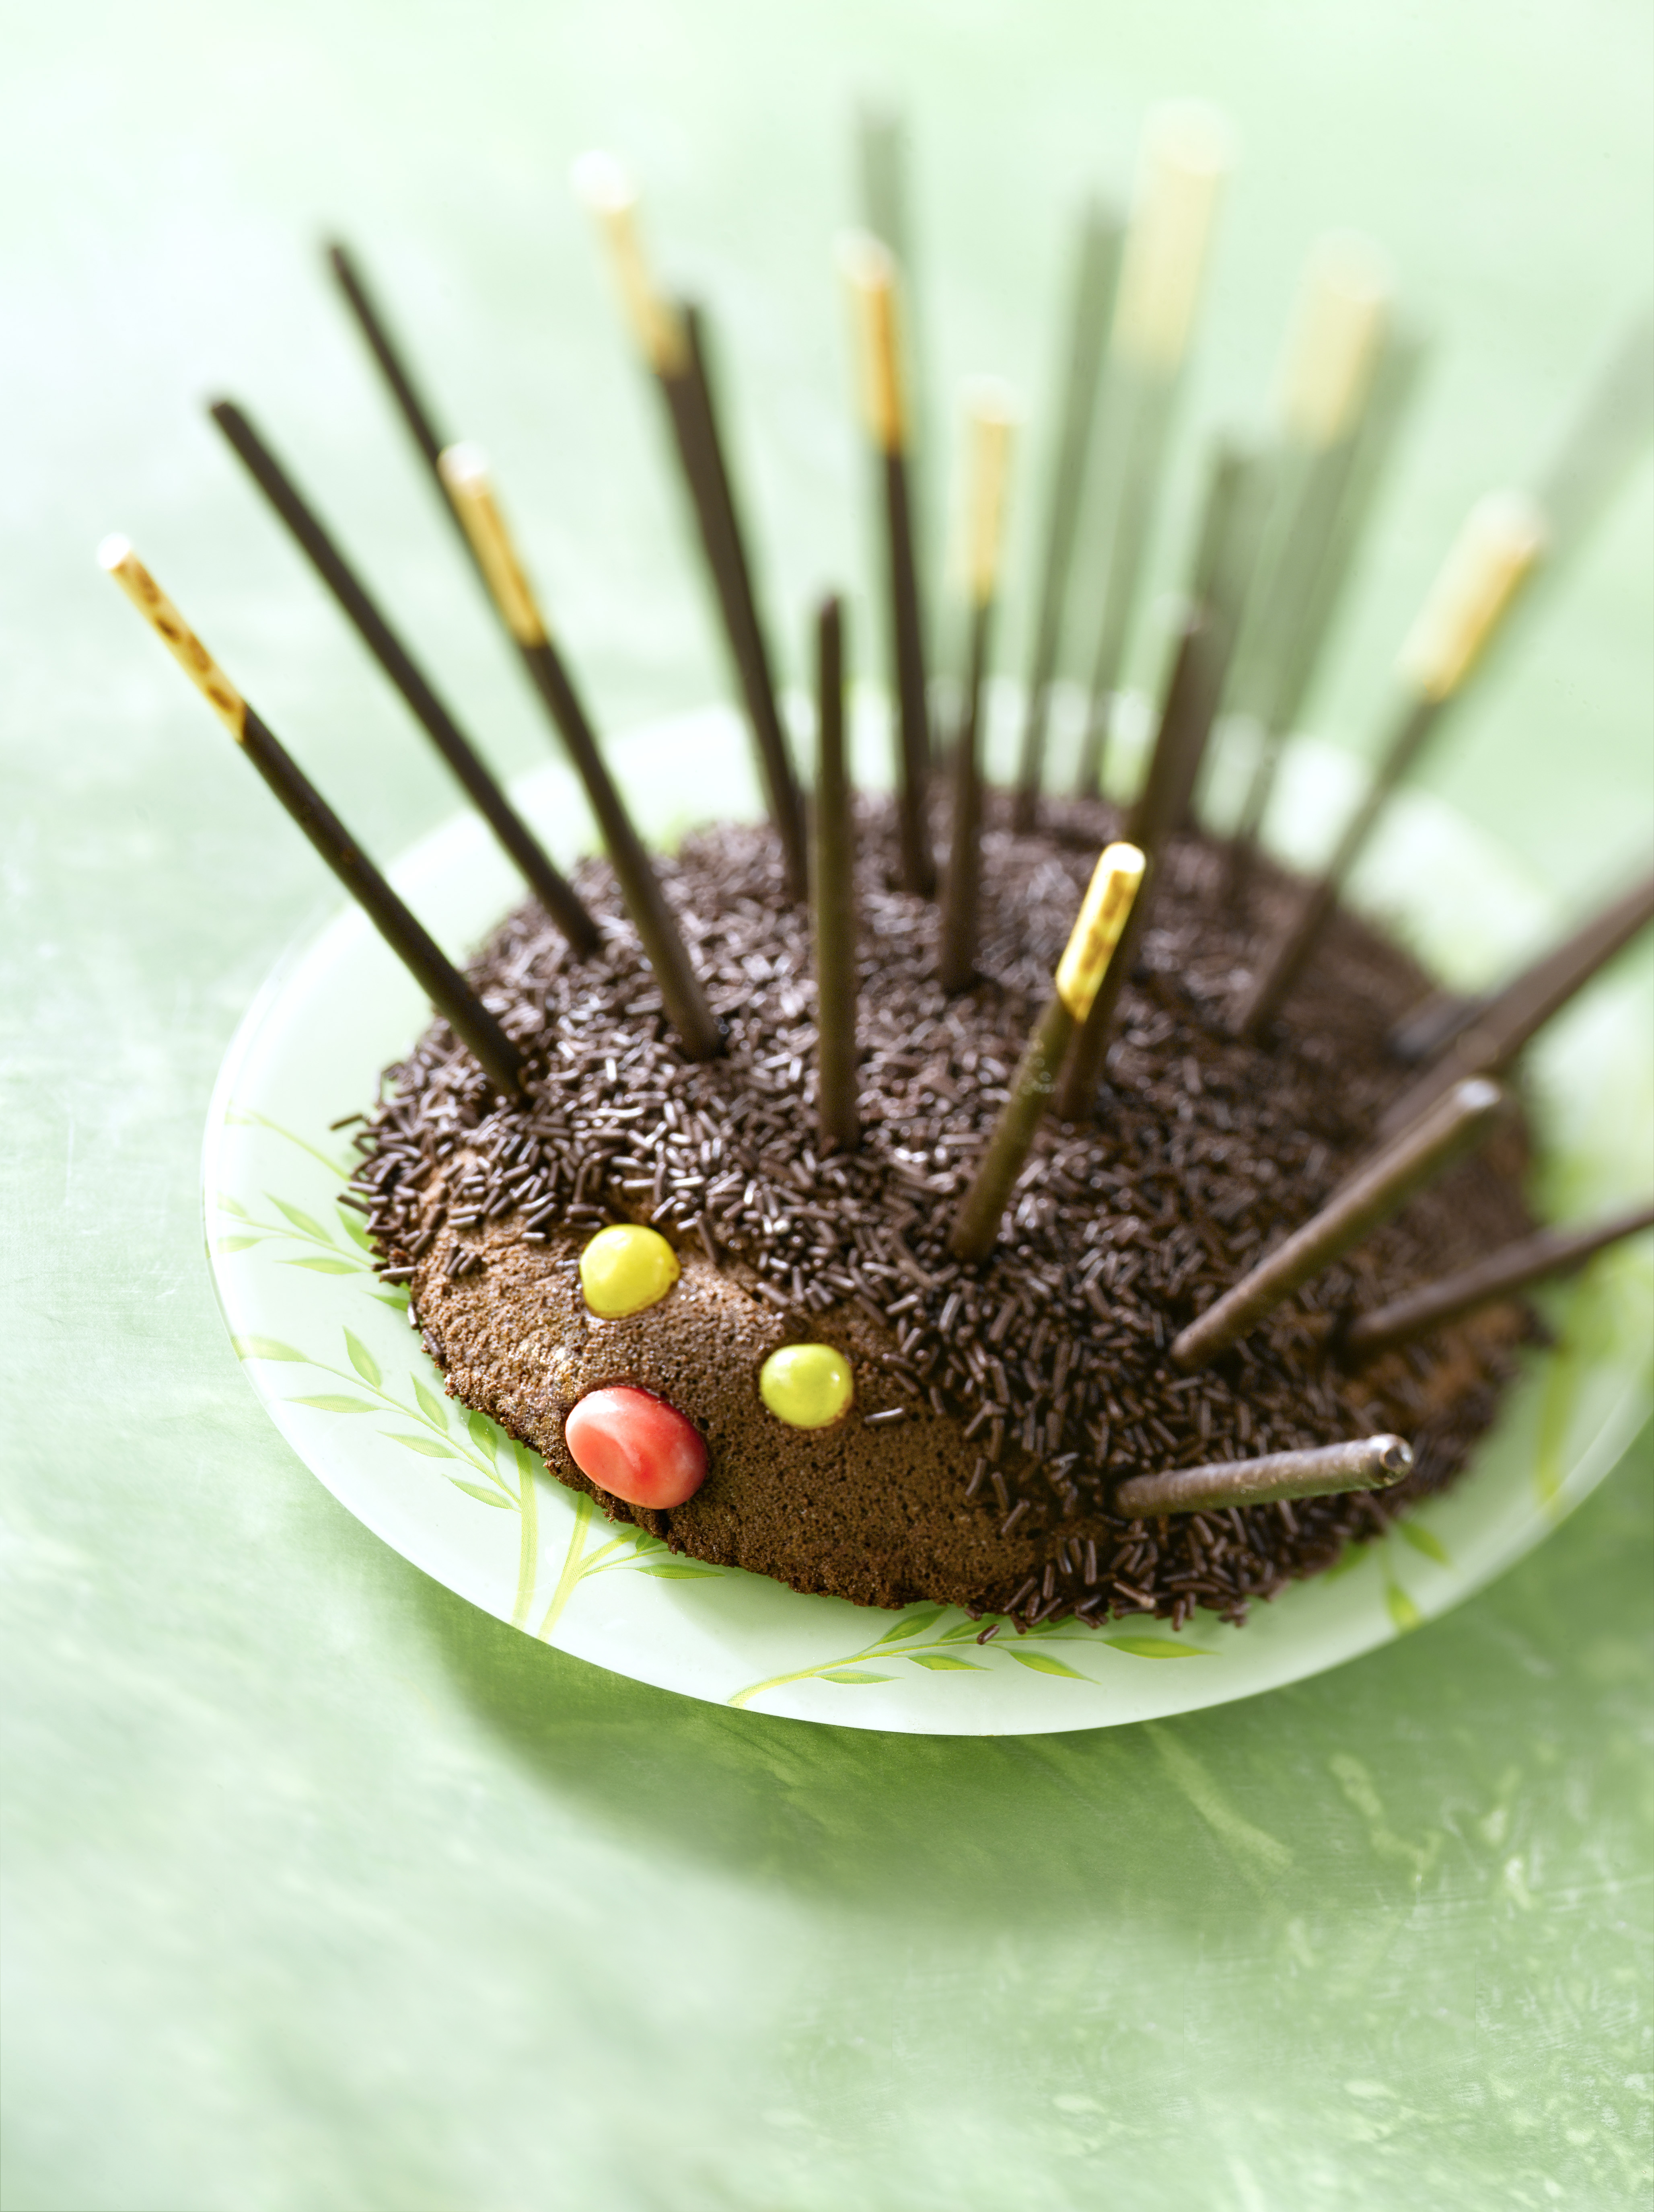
(668, 338)
(1185, 161)
(1368, 1198)
(410, 401)
(1374, 1463)
(1342, 377)
(1501, 1026)
(833, 894)
(1395, 378)
(1190, 708)
(1092, 944)
(1096, 273)
(464, 474)
(869, 271)
(1514, 1267)
(430, 966)
(556, 895)
(1603, 442)
(1335, 342)
(784, 800)
(1431, 1025)
(988, 432)
(1502, 539)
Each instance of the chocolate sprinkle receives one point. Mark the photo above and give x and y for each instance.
(1023, 1388)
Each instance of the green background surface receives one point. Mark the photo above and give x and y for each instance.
(327, 1892)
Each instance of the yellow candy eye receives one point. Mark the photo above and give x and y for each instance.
(807, 1386)
(625, 1269)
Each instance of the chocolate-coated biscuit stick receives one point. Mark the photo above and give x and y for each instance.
(884, 163)
(1367, 1199)
(393, 367)
(783, 795)
(988, 431)
(1193, 692)
(1102, 916)
(1371, 1463)
(1356, 472)
(1184, 163)
(1499, 1027)
(464, 474)
(833, 896)
(668, 337)
(559, 896)
(1502, 541)
(1335, 344)
(1097, 272)
(1514, 1267)
(430, 967)
(870, 275)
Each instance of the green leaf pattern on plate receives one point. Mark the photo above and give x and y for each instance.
(477, 1444)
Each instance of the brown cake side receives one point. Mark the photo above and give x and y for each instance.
(1026, 1386)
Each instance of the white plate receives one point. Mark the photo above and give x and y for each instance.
(330, 1352)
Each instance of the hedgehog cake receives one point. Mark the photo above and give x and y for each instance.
(965, 1194)
(648, 1270)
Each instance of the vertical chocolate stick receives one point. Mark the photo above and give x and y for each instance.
(464, 474)
(1185, 160)
(1503, 538)
(833, 889)
(559, 896)
(1096, 273)
(1102, 916)
(988, 432)
(1193, 693)
(869, 270)
(884, 170)
(1367, 1199)
(668, 337)
(430, 966)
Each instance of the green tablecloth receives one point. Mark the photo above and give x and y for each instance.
(328, 1891)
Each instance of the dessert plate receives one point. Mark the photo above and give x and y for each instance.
(330, 1353)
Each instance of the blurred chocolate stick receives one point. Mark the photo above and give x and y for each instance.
(1185, 160)
(1095, 274)
(1502, 539)
(1513, 1268)
(989, 421)
(833, 896)
(1367, 1199)
(870, 274)
(1499, 1027)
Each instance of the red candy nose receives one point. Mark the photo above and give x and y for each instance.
(636, 1447)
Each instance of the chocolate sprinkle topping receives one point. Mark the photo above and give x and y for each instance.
(1010, 1395)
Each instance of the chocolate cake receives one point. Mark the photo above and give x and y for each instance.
(996, 1405)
